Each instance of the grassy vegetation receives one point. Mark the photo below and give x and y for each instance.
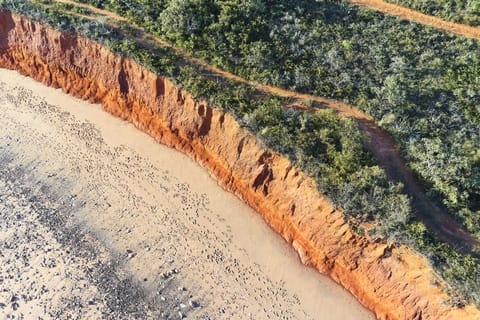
(327, 147)
(461, 11)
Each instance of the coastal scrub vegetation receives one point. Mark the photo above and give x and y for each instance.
(325, 146)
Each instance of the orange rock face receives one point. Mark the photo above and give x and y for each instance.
(394, 283)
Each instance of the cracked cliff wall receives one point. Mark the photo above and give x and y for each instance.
(395, 284)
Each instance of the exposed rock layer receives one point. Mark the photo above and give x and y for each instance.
(394, 283)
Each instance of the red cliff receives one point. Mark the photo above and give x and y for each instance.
(395, 283)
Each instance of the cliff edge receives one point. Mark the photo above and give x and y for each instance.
(395, 283)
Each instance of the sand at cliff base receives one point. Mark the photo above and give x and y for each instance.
(97, 220)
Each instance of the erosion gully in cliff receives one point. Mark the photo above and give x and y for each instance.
(395, 283)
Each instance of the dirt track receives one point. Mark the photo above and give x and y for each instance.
(380, 143)
(420, 18)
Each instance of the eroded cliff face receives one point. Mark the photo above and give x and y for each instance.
(394, 283)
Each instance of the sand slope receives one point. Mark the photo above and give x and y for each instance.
(99, 221)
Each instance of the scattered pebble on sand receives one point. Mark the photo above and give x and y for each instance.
(94, 227)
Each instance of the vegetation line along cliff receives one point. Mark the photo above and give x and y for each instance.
(219, 132)
(380, 144)
(427, 105)
(285, 197)
(416, 82)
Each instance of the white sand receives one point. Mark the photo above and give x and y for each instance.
(157, 217)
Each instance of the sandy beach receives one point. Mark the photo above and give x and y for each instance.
(98, 221)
